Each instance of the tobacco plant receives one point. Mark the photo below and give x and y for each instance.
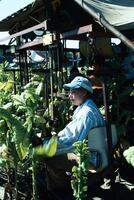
(19, 122)
(79, 177)
(23, 120)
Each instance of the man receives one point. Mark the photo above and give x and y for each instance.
(86, 117)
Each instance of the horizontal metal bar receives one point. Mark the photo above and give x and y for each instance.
(31, 44)
(66, 35)
(41, 25)
(78, 31)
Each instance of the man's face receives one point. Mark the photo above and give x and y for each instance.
(77, 96)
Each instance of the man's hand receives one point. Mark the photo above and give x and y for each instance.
(72, 156)
(36, 141)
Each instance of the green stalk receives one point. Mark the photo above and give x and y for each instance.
(79, 178)
(34, 169)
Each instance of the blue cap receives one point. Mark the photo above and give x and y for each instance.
(79, 82)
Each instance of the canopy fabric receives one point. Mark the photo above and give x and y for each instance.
(119, 13)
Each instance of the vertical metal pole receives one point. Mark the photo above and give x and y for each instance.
(51, 81)
(26, 67)
(46, 85)
(58, 65)
(21, 73)
(108, 125)
(14, 78)
(18, 42)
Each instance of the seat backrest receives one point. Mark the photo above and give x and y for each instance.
(97, 141)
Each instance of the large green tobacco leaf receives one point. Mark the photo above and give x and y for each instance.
(20, 133)
(48, 148)
(129, 155)
(7, 86)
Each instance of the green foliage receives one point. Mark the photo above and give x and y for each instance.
(47, 149)
(6, 158)
(79, 178)
(20, 119)
(129, 155)
(19, 133)
(56, 115)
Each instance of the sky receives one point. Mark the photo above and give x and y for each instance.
(8, 7)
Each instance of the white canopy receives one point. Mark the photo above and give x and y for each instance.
(119, 13)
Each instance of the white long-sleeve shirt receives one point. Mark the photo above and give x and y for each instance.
(86, 117)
